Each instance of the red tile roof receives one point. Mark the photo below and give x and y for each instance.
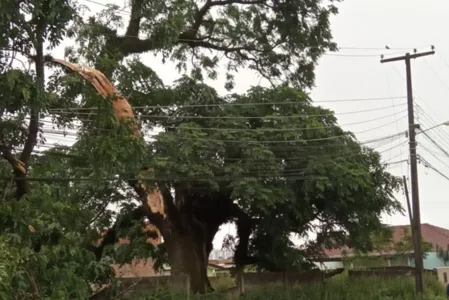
(137, 268)
(435, 235)
(148, 227)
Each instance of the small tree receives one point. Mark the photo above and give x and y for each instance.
(405, 245)
(443, 254)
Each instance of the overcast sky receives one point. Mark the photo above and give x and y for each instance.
(357, 73)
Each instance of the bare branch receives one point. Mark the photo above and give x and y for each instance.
(132, 44)
(134, 21)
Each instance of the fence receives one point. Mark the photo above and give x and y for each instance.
(128, 288)
(248, 281)
(386, 272)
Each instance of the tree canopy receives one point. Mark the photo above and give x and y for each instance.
(269, 159)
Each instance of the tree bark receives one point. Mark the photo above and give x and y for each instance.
(187, 256)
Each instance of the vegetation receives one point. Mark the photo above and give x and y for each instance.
(335, 289)
(387, 251)
(370, 288)
(443, 254)
(272, 162)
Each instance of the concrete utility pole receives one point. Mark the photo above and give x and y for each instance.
(416, 225)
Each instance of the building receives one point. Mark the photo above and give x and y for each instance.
(220, 261)
(434, 236)
(218, 254)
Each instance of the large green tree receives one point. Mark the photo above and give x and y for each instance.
(269, 160)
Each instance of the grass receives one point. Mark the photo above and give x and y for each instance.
(368, 289)
(339, 288)
(223, 282)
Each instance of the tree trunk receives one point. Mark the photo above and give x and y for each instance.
(187, 255)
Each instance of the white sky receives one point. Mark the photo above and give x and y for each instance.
(404, 24)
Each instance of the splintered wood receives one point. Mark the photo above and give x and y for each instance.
(105, 88)
(122, 111)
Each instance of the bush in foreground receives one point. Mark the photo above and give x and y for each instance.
(337, 289)
(368, 289)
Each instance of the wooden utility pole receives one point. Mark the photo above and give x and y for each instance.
(416, 224)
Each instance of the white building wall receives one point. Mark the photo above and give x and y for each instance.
(329, 265)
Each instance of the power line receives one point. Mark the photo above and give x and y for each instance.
(436, 74)
(435, 129)
(433, 122)
(233, 104)
(431, 153)
(179, 179)
(428, 165)
(261, 129)
(295, 175)
(397, 162)
(435, 143)
(347, 135)
(416, 95)
(356, 55)
(288, 158)
(288, 148)
(247, 117)
(122, 10)
(396, 118)
(285, 141)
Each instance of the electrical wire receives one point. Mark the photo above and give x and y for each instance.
(288, 157)
(416, 102)
(435, 143)
(443, 134)
(435, 74)
(233, 104)
(397, 162)
(396, 118)
(430, 152)
(180, 138)
(435, 129)
(262, 129)
(246, 117)
(289, 176)
(430, 166)
(318, 152)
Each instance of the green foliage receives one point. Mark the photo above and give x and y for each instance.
(406, 244)
(280, 40)
(367, 289)
(64, 267)
(370, 288)
(286, 169)
(25, 24)
(386, 249)
(443, 254)
(283, 162)
(334, 289)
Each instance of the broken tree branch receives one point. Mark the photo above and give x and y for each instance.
(153, 203)
(18, 169)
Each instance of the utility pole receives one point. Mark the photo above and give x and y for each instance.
(416, 224)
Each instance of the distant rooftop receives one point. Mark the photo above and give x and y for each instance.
(437, 236)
